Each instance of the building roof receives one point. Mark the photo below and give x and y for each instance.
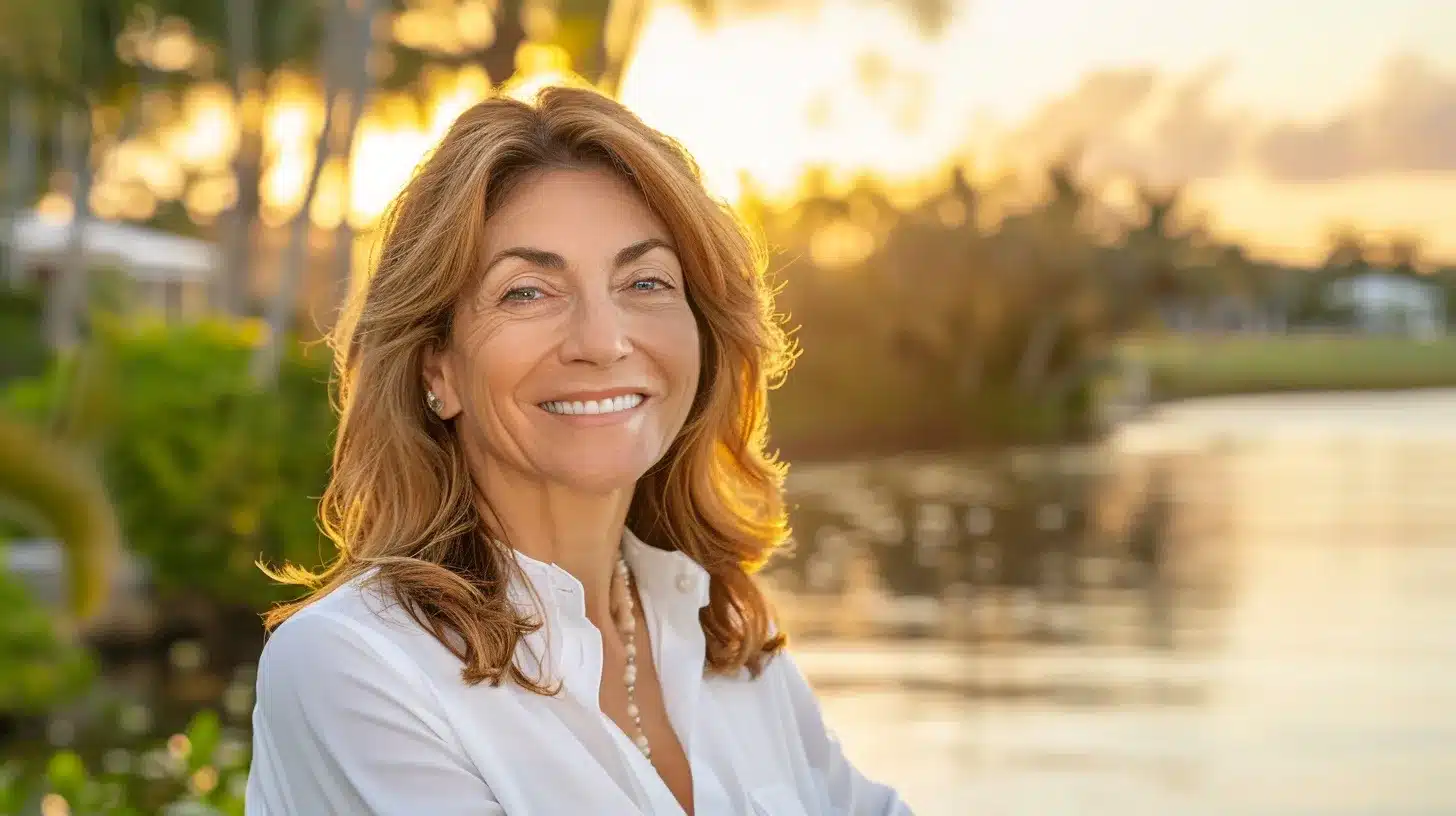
(141, 252)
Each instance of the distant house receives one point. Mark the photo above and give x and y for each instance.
(1382, 302)
(165, 274)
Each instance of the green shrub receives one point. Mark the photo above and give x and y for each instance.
(208, 473)
(197, 773)
(21, 320)
(39, 667)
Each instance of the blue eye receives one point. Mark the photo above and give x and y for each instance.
(523, 293)
(650, 285)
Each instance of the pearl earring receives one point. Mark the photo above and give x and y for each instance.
(436, 404)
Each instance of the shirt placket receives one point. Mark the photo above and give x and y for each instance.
(578, 658)
(677, 654)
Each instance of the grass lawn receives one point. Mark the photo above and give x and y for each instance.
(1185, 367)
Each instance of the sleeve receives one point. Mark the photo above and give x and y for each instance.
(343, 725)
(848, 791)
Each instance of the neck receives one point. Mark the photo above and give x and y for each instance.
(577, 531)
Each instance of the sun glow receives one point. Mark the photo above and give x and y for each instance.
(809, 96)
(849, 91)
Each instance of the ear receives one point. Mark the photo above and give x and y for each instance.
(440, 376)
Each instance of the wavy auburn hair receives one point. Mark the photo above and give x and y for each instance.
(401, 500)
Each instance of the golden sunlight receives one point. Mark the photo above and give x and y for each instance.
(821, 94)
(853, 90)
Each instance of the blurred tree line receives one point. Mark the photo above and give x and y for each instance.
(939, 326)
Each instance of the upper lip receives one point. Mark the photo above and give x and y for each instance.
(605, 393)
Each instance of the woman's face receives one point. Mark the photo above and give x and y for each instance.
(576, 358)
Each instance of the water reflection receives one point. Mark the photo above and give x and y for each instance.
(1239, 608)
(1071, 547)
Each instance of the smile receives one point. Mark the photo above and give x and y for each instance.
(610, 405)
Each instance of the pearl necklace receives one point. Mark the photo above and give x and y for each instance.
(627, 626)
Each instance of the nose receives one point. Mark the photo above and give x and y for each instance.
(596, 332)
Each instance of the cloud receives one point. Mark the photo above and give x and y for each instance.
(1167, 130)
(1407, 125)
(1138, 122)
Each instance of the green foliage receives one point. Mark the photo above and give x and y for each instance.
(208, 473)
(944, 335)
(12, 788)
(196, 773)
(50, 490)
(39, 666)
(21, 316)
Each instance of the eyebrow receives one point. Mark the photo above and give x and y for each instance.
(552, 260)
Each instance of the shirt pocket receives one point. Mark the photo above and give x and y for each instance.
(776, 800)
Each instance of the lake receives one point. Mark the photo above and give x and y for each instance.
(1312, 663)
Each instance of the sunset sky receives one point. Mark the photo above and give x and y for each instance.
(1282, 117)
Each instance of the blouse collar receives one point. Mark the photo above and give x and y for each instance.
(668, 577)
(673, 587)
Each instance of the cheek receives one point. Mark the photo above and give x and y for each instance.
(685, 346)
(497, 357)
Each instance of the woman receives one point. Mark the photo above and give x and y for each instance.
(549, 492)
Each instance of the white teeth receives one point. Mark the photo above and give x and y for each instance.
(610, 405)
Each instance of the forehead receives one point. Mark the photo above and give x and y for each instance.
(572, 212)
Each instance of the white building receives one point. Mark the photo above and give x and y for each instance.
(1386, 303)
(165, 274)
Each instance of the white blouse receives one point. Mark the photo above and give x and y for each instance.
(360, 711)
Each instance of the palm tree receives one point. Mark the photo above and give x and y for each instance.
(19, 175)
(1153, 267)
(349, 41)
(356, 96)
(254, 40)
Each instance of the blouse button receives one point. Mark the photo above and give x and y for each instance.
(684, 583)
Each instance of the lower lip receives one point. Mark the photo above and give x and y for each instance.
(590, 420)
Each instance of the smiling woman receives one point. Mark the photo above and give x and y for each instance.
(549, 496)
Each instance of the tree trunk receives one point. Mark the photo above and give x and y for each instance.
(341, 42)
(283, 306)
(19, 182)
(235, 286)
(67, 302)
(623, 24)
(499, 60)
(1032, 367)
(361, 85)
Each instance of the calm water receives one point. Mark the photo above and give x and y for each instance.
(1295, 652)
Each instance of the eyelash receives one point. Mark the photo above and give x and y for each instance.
(510, 295)
(661, 284)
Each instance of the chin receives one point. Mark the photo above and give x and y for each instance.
(600, 474)
(598, 480)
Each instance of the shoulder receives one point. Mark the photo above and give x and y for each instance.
(782, 672)
(784, 687)
(779, 685)
(356, 637)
